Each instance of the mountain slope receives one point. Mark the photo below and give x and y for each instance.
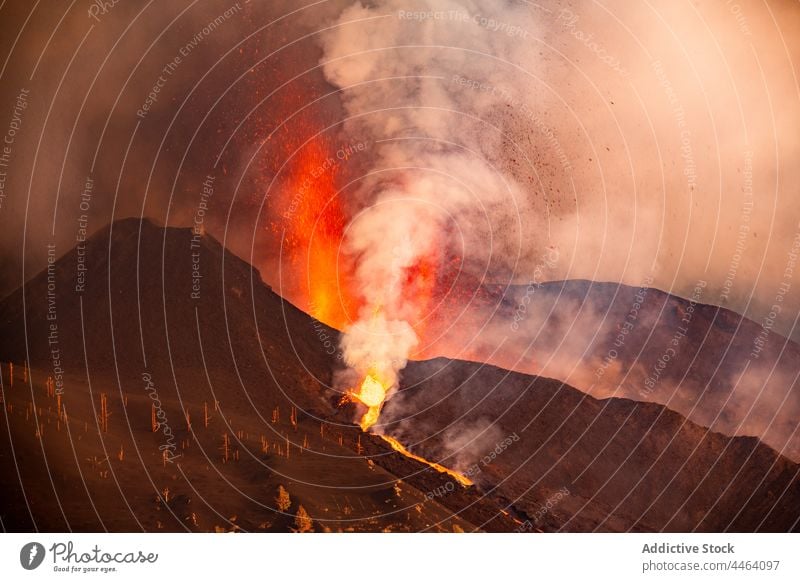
(709, 364)
(237, 384)
(625, 464)
(237, 380)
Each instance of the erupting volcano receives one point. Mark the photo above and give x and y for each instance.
(391, 266)
(372, 275)
(383, 264)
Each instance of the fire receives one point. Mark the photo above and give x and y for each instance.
(315, 233)
(395, 444)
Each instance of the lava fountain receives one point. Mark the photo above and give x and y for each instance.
(373, 276)
(395, 245)
(312, 226)
(371, 394)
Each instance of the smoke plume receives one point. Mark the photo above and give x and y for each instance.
(438, 186)
(634, 146)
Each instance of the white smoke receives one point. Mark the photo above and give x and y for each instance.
(438, 187)
(379, 346)
(500, 129)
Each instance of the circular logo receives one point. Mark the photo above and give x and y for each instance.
(31, 555)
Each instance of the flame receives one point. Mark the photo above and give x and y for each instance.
(316, 232)
(395, 444)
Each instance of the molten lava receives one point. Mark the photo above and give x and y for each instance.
(311, 221)
(371, 394)
(395, 444)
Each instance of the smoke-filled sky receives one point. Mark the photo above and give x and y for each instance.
(651, 140)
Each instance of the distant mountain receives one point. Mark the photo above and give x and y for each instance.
(713, 366)
(172, 332)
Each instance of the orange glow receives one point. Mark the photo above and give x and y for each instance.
(313, 222)
(395, 444)
(319, 280)
(372, 394)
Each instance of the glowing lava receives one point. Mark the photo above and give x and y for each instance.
(371, 394)
(311, 224)
(332, 284)
(395, 444)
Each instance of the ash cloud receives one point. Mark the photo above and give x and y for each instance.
(633, 141)
(641, 145)
(637, 143)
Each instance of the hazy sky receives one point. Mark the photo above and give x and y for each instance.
(659, 141)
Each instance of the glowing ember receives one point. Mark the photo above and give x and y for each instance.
(395, 444)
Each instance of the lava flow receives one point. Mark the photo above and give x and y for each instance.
(384, 345)
(372, 394)
(395, 444)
